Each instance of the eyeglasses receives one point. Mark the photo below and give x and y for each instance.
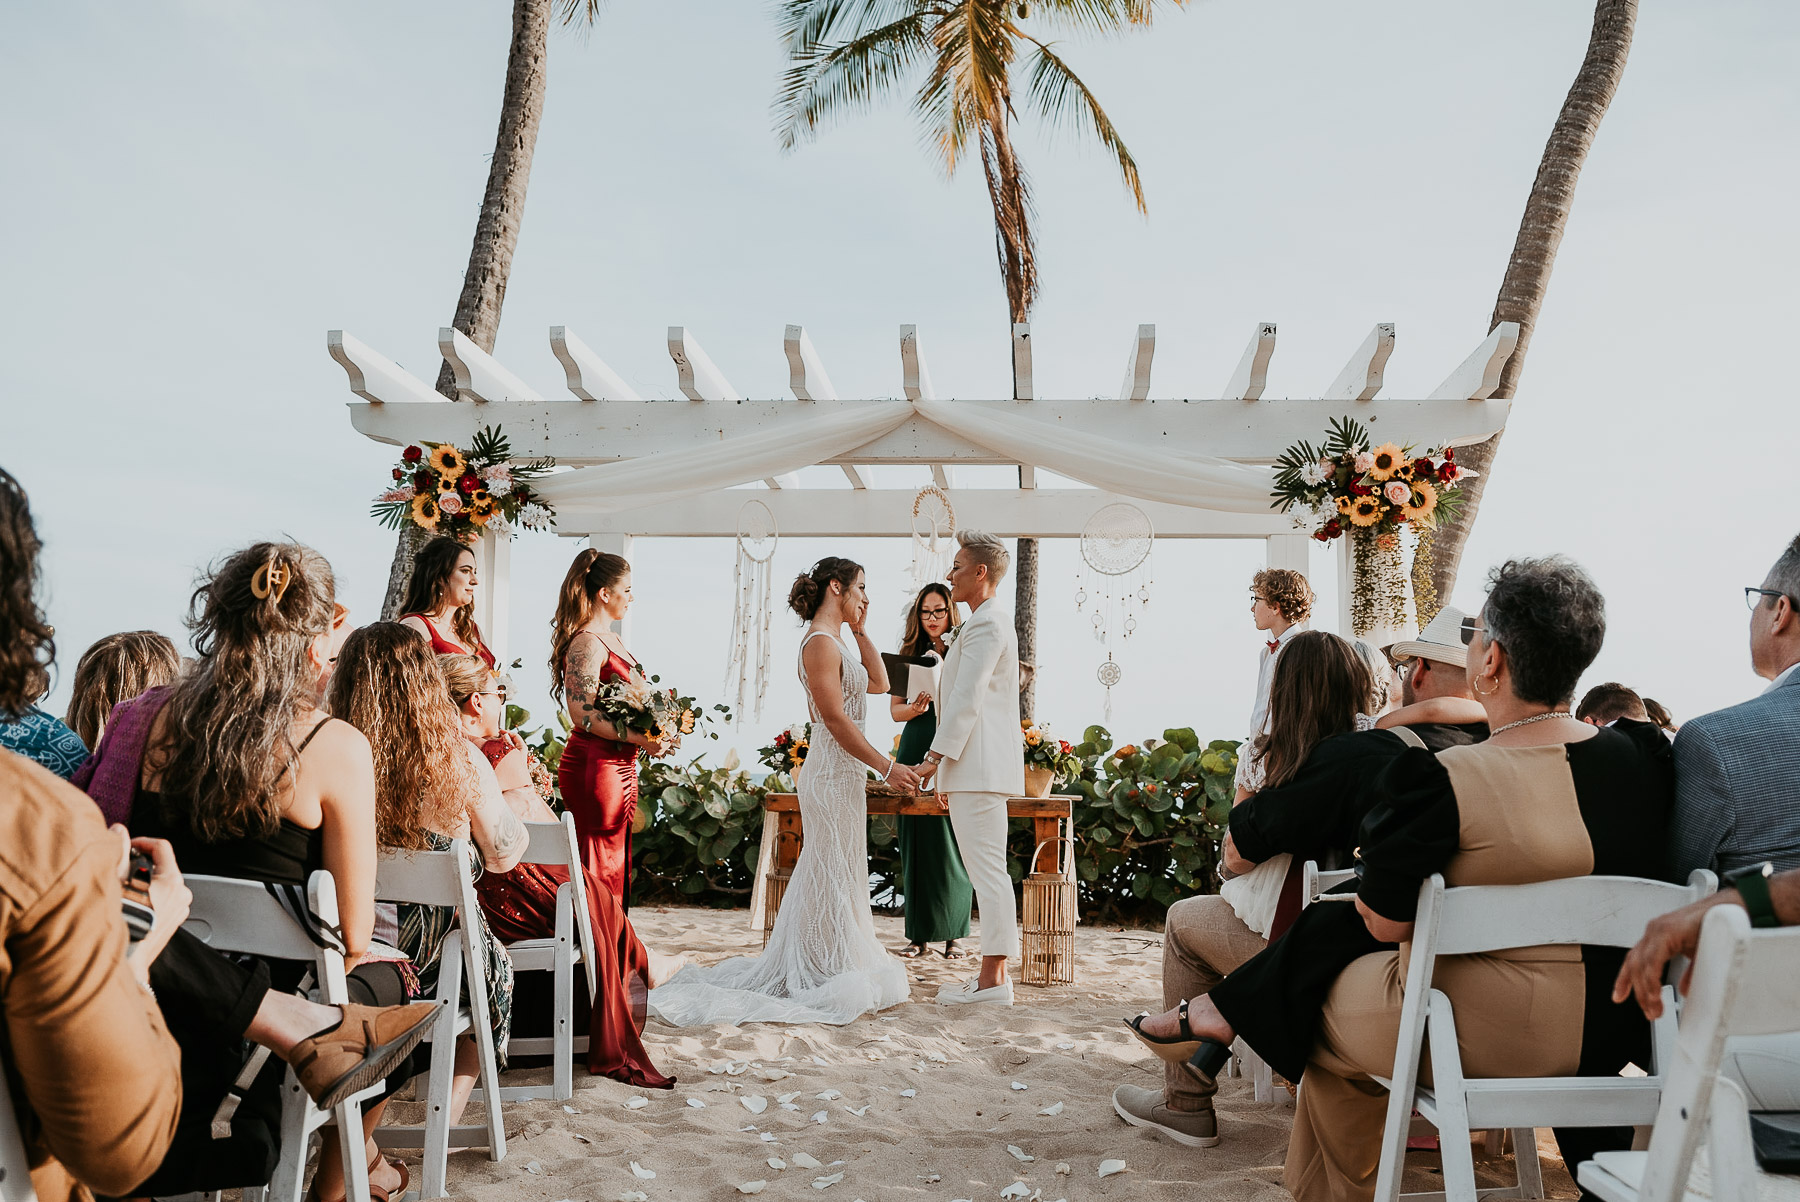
(934, 613)
(1753, 596)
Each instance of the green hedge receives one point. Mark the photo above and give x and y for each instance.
(1148, 819)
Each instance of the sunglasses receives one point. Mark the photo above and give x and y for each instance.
(1467, 630)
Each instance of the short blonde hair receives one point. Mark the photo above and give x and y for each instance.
(986, 550)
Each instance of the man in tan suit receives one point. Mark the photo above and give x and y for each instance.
(978, 747)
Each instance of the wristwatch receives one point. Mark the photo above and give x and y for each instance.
(1752, 884)
(932, 757)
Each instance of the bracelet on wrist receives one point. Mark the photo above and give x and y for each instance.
(889, 772)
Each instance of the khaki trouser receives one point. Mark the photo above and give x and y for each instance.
(1514, 1018)
(1203, 940)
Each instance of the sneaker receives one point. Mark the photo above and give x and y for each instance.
(970, 991)
(361, 1050)
(1146, 1108)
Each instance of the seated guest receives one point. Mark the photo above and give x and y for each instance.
(245, 775)
(1772, 900)
(1312, 813)
(41, 737)
(431, 786)
(440, 600)
(1606, 703)
(1546, 797)
(117, 668)
(1737, 770)
(521, 904)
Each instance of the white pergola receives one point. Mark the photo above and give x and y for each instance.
(605, 422)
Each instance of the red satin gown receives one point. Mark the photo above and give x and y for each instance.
(521, 904)
(599, 787)
(443, 646)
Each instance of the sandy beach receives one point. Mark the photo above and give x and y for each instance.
(918, 1102)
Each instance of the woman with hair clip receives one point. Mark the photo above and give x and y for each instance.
(936, 886)
(598, 769)
(243, 772)
(431, 786)
(521, 904)
(822, 963)
(440, 600)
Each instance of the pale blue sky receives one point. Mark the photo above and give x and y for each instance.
(198, 190)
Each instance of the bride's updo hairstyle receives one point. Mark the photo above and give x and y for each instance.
(810, 587)
(226, 739)
(592, 571)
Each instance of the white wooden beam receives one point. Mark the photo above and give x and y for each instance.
(479, 376)
(587, 374)
(1252, 374)
(1009, 512)
(1476, 377)
(785, 480)
(694, 371)
(583, 432)
(373, 376)
(1027, 476)
(1021, 348)
(806, 372)
(915, 376)
(1291, 551)
(854, 474)
(493, 599)
(1137, 366)
(940, 477)
(1361, 378)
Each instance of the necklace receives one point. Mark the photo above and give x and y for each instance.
(1530, 720)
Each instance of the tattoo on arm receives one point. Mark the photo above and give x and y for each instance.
(581, 684)
(510, 837)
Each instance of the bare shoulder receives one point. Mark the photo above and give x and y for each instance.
(416, 624)
(340, 745)
(821, 653)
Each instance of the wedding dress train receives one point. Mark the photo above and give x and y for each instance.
(823, 963)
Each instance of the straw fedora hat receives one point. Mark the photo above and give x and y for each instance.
(1441, 640)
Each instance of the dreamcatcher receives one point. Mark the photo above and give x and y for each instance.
(1113, 585)
(756, 539)
(933, 536)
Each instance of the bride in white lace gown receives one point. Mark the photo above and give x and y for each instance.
(822, 963)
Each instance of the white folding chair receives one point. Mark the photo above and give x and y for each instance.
(1745, 982)
(442, 878)
(1314, 882)
(1604, 911)
(233, 915)
(573, 943)
(15, 1168)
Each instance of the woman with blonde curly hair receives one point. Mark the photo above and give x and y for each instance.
(431, 787)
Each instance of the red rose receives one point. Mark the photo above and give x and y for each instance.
(424, 481)
(1449, 471)
(1449, 452)
(1422, 467)
(468, 484)
(781, 739)
(1333, 528)
(1321, 536)
(413, 454)
(1361, 490)
(399, 475)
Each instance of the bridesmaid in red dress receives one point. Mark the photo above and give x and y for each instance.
(521, 904)
(598, 772)
(440, 600)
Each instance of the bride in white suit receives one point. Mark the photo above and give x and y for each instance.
(823, 963)
(977, 755)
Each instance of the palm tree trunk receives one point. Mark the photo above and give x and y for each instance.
(497, 228)
(1527, 276)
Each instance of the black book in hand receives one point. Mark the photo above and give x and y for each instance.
(910, 675)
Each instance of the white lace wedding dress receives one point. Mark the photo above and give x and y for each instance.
(822, 963)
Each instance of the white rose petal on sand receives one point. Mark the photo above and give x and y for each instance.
(787, 1098)
(755, 1103)
(768, 1137)
(1020, 1085)
(827, 1182)
(776, 1162)
(1017, 1189)
(635, 1103)
(830, 1095)
(1020, 1154)
(859, 1111)
(1109, 1167)
(909, 1093)
(640, 1172)
(634, 1195)
(820, 1116)
(696, 1103)
(805, 1161)
(752, 1187)
(1053, 1109)
(1065, 1047)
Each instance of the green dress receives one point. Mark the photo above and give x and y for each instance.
(937, 890)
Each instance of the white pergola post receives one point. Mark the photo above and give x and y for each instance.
(620, 545)
(493, 597)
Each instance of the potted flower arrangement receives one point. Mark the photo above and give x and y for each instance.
(788, 752)
(443, 489)
(1372, 493)
(1047, 759)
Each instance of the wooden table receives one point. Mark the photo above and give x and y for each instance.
(1048, 816)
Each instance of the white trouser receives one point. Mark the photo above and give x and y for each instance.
(979, 820)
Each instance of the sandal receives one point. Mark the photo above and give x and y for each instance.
(952, 952)
(376, 1193)
(1173, 1050)
(912, 951)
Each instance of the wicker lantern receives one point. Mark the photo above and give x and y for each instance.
(1048, 931)
(776, 886)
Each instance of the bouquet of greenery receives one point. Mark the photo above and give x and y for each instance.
(637, 704)
(788, 751)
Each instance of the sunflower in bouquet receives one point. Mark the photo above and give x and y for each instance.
(641, 704)
(444, 489)
(1346, 484)
(1042, 750)
(788, 751)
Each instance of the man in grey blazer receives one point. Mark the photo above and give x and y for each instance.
(1737, 770)
(977, 755)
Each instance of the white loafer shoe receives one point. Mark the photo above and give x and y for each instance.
(970, 992)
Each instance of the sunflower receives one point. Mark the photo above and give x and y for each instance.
(448, 462)
(1343, 504)
(425, 512)
(481, 507)
(1387, 456)
(1425, 499)
(1366, 511)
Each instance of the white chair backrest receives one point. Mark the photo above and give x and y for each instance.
(1606, 911)
(230, 914)
(1745, 982)
(426, 878)
(15, 1168)
(549, 843)
(1316, 882)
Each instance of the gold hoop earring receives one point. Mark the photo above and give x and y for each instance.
(1486, 692)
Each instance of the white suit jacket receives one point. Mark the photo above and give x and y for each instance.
(978, 708)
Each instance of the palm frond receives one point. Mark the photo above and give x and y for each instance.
(584, 12)
(969, 87)
(805, 25)
(1097, 16)
(1347, 436)
(826, 81)
(1061, 97)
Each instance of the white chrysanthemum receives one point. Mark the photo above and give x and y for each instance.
(533, 516)
(498, 478)
(1313, 474)
(498, 525)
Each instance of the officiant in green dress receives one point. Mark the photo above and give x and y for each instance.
(937, 890)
